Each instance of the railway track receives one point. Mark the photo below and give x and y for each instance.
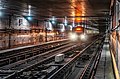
(83, 65)
(25, 64)
(46, 67)
(90, 68)
(21, 68)
(19, 65)
(21, 54)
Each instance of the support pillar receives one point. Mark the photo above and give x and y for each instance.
(9, 31)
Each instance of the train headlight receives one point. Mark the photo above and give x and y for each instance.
(83, 37)
(73, 36)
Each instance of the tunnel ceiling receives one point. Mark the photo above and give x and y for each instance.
(98, 10)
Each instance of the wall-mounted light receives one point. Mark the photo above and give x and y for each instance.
(53, 22)
(29, 18)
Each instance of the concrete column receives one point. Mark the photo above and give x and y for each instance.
(45, 30)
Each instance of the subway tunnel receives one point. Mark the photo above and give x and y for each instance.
(59, 39)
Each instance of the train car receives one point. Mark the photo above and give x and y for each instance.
(80, 33)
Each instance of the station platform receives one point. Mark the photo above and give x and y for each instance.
(105, 68)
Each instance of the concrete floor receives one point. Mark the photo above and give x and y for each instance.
(104, 70)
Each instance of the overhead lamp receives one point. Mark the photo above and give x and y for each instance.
(53, 20)
(29, 6)
(29, 10)
(65, 21)
(73, 24)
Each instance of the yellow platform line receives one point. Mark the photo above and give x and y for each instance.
(115, 66)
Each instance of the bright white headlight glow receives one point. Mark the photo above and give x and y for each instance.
(83, 37)
(73, 36)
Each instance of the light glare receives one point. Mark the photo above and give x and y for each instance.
(83, 37)
(29, 18)
(65, 21)
(49, 26)
(73, 24)
(53, 22)
(63, 28)
(73, 36)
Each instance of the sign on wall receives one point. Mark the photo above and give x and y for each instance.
(21, 23)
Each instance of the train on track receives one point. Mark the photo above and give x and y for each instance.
(82, 33)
